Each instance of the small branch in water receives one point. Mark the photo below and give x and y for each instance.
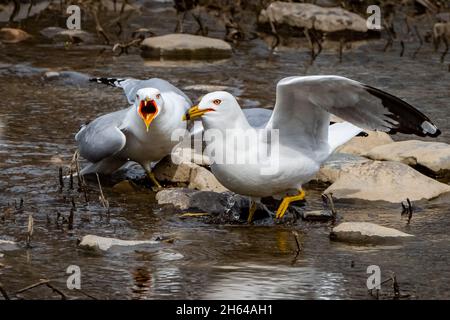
(34, 285)
(407, 210)
(61, 180)
(86, 294)
(63, 296)
(3, 292)
(71, 215)
(297, 242)
(419, 36)
(30, 230)
(330, 201)
(402, 44)
(45, 282)
(102, 198)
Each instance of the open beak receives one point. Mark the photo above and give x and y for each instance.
(194, 113)
(148, 110)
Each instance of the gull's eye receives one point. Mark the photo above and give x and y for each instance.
(217, 102)
(137, 97)
(158, 96)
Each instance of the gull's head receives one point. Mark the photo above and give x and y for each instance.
(149, 103)
(215, 106)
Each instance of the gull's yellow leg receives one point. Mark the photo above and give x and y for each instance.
(287, 201)
(251, 211)
(153, 179)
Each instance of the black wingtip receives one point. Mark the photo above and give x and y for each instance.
(113, 82)
(405, 118)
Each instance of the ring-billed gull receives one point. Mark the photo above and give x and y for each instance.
(305, 140)
(140, 133)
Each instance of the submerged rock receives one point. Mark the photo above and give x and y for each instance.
(104, 244)
(204, 180)
(317, 215)
(434, 156)
(384, 181)
(12, 35)
(67, 77)
(309, 16)
(58, 34)
(185, 46)
(361, 145)
(7, 245)
(201, 201)
(364, 232)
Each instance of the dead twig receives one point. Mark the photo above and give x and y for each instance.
(3, 292)
(297, 242)
(32, 286)
(419, 36)
(103, 200)
(42, 282)
(408, 210)
(30, 230)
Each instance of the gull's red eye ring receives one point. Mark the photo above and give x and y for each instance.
(158, 96)
(217, 102)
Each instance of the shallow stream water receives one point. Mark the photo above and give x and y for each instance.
(38, 121)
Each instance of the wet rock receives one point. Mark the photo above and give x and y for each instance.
(12, 35)
(125, 186)
(104, 244)
(64, 35)
(363, 232)
(192, 156)
(336, 164)
(362, 145)
(327, 3)
(185, 46)
(434, 156)
(384, 181)
(67, 77)
(305, 15)
(317, 215)
(203, 180)
(193, 200)
(7, 245)
(176, 169)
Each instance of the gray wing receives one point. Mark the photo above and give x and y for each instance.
(102, 138)
(130, 86)
(304, 104)
(257, 117)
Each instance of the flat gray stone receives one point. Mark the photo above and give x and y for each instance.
(434, 156)
(385, 181)
(185, 46)
(364, 232)
(7, 245)
(306, 15)
(104, 244)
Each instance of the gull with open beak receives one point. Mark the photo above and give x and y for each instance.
(140, 133)
(301, 118)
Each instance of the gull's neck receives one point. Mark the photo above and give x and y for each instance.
(230, 121)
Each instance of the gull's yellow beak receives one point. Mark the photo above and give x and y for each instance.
(194, 113)
(148, 110)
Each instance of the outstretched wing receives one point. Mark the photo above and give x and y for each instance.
(130, 86)
(304, 104)
(102, 138)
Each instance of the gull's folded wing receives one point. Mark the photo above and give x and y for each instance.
(101, 138)
(303, 106)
